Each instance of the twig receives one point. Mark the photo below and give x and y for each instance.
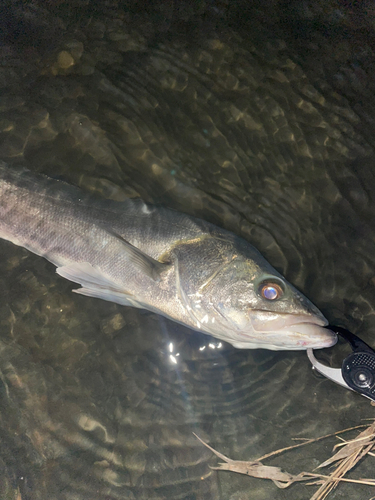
(308, 441)
(350, 453)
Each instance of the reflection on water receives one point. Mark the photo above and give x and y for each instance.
(100, 401)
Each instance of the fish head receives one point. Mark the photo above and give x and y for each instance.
(243, 300)
(266, 311)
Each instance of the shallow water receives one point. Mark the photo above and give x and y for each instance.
(99, 401)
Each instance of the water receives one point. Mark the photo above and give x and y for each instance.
(100, 401)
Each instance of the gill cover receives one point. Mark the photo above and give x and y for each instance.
(202, 266)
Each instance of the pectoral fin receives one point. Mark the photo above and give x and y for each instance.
(95, 284)
(143, 262)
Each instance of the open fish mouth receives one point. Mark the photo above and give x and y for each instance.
(288, 332)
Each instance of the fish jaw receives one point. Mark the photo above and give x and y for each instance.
(286, 332)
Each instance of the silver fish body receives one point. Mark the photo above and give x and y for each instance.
(154, 258)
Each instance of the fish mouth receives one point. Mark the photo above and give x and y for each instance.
(292, 331)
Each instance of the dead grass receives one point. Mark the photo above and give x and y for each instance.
(348, 455)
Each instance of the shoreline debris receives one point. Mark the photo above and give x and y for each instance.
(349, 454)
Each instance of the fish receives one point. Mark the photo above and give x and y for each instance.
(154, 258)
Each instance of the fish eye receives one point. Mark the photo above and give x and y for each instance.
(270, 290)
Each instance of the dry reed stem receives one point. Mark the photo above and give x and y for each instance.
(308, 441)
(350, 453)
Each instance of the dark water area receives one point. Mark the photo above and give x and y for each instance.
(258, 117)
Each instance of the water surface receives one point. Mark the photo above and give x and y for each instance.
(232, 125)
